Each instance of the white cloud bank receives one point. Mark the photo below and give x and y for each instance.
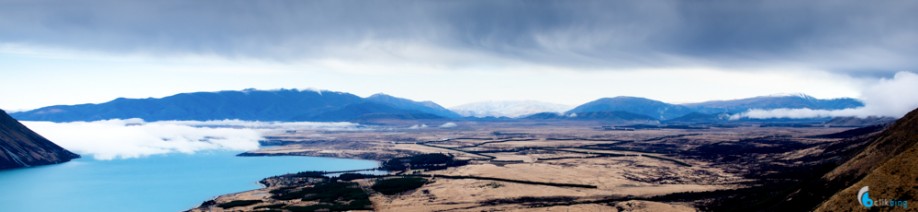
(887, 97)
(448, 125)
(132, 138)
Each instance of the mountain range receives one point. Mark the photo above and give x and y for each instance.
(640, 106)
(249, 104)
(774, 102)
(316, 105)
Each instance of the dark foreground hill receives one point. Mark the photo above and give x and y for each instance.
(888, 166)
(882, 157)
(20, 147)
(886, 163)
(249, 104)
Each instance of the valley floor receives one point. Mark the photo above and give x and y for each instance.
(550, 166)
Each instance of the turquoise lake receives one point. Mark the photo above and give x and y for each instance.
(172, 182)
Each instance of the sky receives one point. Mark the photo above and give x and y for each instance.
(457, 52)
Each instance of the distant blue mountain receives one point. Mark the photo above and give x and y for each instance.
(407, 104)
(312, 105)
(544, 115)
(634, 105)
(704, 112)
(774, 102)
(595, 116)
(366, 111)
(249, 104)
(700, 118)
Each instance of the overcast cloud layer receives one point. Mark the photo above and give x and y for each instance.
(457, 52)
(865, 37)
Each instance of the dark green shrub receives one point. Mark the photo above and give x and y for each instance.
(354, 176)
(309, 174)
(333, 196)
(433, 161)
(237, 203)
(334, 191)
(398, 185)
(272, 206)
(288, 193)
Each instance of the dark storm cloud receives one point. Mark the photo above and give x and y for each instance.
(850, 36)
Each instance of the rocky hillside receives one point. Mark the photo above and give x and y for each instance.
(888, 166)
(827, 177)
(20, 147)
(883, 160)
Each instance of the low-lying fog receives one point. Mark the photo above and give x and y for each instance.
(131, 138)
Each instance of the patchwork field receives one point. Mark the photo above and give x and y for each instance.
(545, 166)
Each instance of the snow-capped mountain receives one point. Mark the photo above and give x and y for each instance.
(511, 109)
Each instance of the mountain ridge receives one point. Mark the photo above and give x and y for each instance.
(248, 104)
(774, 102)
(422, 106)
(321, 105)
(636, 105)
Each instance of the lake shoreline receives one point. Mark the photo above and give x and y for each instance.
(263, 185)
(173, 180)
